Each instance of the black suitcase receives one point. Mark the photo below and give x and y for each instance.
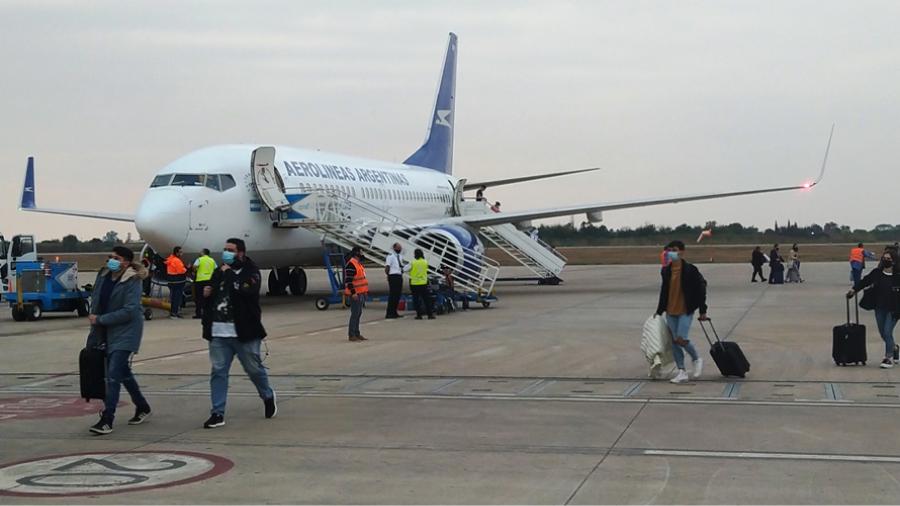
(777, 274)
(92, 373)
(849, 340)
(726, 354)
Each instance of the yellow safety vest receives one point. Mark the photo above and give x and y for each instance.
(205, 268)
(418, 272)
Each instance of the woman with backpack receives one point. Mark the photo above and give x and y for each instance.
(882, 287)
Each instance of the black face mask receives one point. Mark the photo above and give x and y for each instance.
(887, 264)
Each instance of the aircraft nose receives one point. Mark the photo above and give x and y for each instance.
(163, 219)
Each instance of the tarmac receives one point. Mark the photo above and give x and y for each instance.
(541, 398)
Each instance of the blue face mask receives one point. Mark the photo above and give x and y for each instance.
(672, 255)
(113, 264)
(228, 257)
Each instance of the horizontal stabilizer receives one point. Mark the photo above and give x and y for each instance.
(500, 182)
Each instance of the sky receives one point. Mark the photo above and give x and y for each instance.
(667, 97)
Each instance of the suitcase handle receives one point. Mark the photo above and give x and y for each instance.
(711, 326)
(856, 305)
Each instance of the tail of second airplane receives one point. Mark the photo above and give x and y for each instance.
(437, 151)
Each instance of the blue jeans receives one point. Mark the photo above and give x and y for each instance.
(176, 294)
(118, 373)
(886, 323)
(680, 326)
(356, 308)
(856, 270)
(221, 353)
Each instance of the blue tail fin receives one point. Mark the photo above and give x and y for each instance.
(437, 152)
(28, 188)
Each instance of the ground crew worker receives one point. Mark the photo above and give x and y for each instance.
(204, 266)
(356, 287)
(177, 276)
(858, 257)
(394, 267)
(418, 285)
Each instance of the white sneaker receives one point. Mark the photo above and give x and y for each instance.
(656, 371)
(681, 377)
(698, 368)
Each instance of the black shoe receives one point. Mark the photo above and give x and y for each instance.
(102, 428)
(418, 317)
(140, 416)
(215, 420)
(197, 317)
(271, 406)
(432, 318)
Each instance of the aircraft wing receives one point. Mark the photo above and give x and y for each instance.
(483, 220)
(534, 177)
(28, 202)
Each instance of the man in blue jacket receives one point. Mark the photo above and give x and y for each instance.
(117, 322)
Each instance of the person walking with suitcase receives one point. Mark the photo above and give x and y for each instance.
(118, 321)
(885, 290)
(232, 323)
(683, 291)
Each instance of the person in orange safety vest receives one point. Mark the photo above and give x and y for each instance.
(176, 274)
(356, 287)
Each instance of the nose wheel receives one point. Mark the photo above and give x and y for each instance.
(283, 279)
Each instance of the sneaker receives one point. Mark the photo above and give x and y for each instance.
(353, 339)
(362, 338)
(431, 318)
(681, 377)
(271, 406)
(139, 416)
(698, 367)
(887, 363)
(215, 420)
(418, 317)
(102, 427)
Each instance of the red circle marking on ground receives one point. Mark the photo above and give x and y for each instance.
(221, 465)
(29, 408)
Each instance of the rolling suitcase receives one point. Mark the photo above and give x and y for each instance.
(92, 373)
(726, 354)
(849, 340)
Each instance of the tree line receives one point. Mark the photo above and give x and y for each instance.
(588, 234)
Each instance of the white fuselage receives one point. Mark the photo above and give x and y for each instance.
(181, 209)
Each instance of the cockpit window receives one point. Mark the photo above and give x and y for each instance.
(162, 180)
(227, 182)
(187, 180)
(212, 181)
(217, 182)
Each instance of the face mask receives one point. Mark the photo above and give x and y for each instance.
(672, 255)
(887, 264)
(228, 257)
(113, 264)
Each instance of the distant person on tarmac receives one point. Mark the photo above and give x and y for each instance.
(683, 291)
(204, 266)
(757, 260)
(232, 323)
(176, 274)
(418, 285)
(885, 281)
(858, 256)
(776, 266)
(356, 288)
(793, 275)
(117, 319)
(394, 267)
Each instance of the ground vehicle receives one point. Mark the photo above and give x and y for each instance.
(33, 286)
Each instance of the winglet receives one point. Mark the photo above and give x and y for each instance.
(824, 160)
(437, 151)
(28, 188)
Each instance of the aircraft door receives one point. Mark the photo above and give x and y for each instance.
(267, 180)
(457, 196)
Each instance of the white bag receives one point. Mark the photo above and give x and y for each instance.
(656, 344)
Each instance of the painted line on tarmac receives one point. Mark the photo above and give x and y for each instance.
(828, 457)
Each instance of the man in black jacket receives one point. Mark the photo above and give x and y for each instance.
(757, 260)
(231, 324)
(683, 291)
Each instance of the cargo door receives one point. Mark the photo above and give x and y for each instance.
(267, 180)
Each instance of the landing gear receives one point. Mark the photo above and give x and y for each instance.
(297, 281)
(278, 281)
(18, 314)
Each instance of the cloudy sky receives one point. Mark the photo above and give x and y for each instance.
(668, 97)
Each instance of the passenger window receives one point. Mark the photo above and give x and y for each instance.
(212, 181)
(226, 182)
(161, 180)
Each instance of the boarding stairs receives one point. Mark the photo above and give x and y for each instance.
(349, 222)
(538, 256)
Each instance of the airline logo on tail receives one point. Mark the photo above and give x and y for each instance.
(443, 118)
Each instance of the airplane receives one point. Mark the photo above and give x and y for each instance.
(264, 194)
